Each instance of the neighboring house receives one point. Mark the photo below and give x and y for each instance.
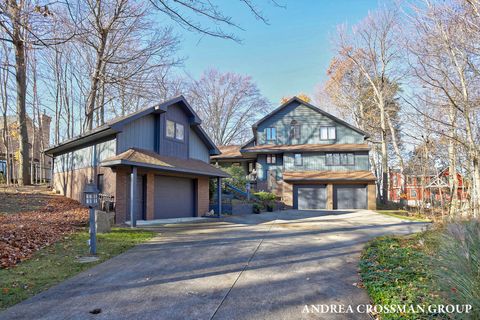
(307, 157)
(162, 149)
(37, 139)
(424, 188)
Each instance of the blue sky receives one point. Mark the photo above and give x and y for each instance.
(284, 58)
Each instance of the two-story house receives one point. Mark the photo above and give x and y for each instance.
(154, 162)
(308, 157)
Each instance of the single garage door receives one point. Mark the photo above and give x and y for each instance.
(174, 197)
(350, 197)
(309, 197)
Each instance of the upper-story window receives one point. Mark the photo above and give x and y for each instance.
(271, 159)
(328, 133)
(294, 130)
(340, 159)
(271, 134)
(175, 130)
(298, 161)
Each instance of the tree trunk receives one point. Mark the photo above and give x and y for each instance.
(21, 82)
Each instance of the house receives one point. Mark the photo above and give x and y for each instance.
(421, 188)
(38, 139)
(307, 157)
(154, 162)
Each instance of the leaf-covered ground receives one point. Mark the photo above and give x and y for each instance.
(29, 222)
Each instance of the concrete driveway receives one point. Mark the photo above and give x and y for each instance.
(266, 266)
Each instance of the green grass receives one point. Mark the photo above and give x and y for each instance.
(58, 262)
(403, 214)
(397, 270)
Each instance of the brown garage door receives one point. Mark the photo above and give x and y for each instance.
(174, 197)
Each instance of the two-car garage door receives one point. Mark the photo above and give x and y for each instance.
(314, 197)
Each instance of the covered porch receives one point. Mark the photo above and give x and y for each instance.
(154, 187)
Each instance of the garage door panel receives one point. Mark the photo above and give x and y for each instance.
(174, 197)
(350, 196)
(310, 197)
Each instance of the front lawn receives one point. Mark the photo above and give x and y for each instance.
(435, 267)
(57, 262)
(404, 214)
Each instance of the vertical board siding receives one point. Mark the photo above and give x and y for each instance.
(171, 147)
(263, 167)
(198, 149)
(84, 157)
(139, 134)
(310, 122)
(316, 162)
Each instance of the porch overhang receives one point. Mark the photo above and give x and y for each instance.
(150, 160)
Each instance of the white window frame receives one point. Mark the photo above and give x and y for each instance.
(328, 133)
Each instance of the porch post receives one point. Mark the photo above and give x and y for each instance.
(133, 195)
(219, 196)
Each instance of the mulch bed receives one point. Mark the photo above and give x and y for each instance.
(49, 219)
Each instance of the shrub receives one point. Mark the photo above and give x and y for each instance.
(458, 259)
(266, 199)
(238, 177)
(257, 208)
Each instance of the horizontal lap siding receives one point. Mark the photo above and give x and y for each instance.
(310, 122)
(316, 162)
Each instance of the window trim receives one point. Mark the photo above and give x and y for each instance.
(272, 130)
(295, 163)
(166, 129)
(340, 159)
(328, 133)
(295, 134)
(175, 126)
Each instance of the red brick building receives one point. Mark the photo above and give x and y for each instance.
(431, 188)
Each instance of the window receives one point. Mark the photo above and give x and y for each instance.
(327, 133)
(170, 129)
(298, 159)
(251, 166)
(413, 193)
(100, 182)
(271, 159)
(294, 130)
(271, 134)
(336, 159)
(179, 131)
(175, 130)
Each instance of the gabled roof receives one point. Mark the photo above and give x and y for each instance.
(230, 152)
(326, 114)
(116, 125)
(149, 159)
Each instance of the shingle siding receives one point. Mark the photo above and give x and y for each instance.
(310, 122)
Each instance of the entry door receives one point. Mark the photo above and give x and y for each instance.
(309, 197)
(350, 196)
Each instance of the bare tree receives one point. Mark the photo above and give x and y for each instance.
(228, 103)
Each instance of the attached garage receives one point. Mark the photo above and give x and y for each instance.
(350, 196)
(174, 197)
(310, 197)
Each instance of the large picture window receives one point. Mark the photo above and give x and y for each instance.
(340, 159)
(328, 133)
(271, 134)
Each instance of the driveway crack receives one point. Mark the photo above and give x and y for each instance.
(242, 271)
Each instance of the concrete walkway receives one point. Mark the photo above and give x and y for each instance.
(266, 266)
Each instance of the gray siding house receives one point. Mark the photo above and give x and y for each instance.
(160, 152)
(308, 157)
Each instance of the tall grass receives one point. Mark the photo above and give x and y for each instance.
(459, 266)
